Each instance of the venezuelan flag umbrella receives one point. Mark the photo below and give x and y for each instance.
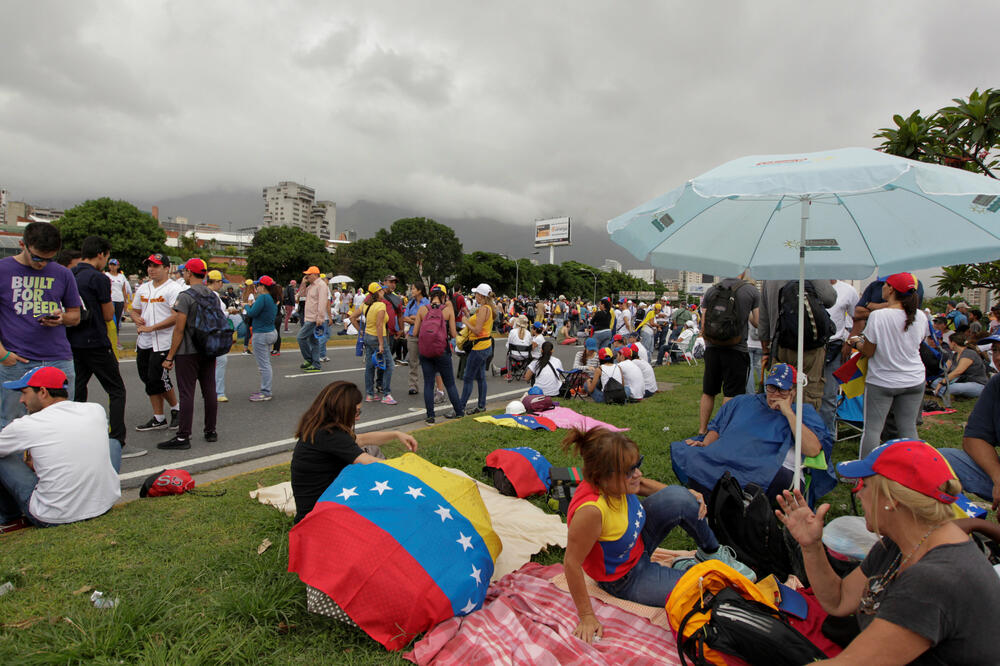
(399, 545)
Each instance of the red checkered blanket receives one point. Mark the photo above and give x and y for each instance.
(527, 620)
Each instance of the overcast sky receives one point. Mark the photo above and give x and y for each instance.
(511, 110)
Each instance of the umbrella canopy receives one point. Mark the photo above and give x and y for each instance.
(341, 278)
(852, 210)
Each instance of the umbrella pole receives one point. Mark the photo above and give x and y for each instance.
(799, 375)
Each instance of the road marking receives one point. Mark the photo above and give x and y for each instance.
(180, 464)
(323, 372)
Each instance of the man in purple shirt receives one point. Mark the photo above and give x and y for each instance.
(38, 300)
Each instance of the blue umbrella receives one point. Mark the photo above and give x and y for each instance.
(853, 210)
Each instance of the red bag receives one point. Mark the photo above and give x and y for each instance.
(537, 403)
(167, 482)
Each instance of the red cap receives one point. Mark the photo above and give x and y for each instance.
(909, 462)
(625, 351)
(902, 282)
(196, 266)
(157, 258)
(265, 280)
(46, 376)
(605, 353)
(618, 338)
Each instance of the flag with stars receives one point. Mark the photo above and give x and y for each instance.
(525, 468)
(400, 545)
(523, 421)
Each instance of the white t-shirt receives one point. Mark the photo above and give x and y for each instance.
(623, 322)
(643, 352)
(842, 312)
(896, 363)
(513, 339)
(68, 442)
(539, 340)
(609, 370)
(117, 282)
(154, 305)
(633, 378)
(359, 299)
(648, 376)
(548, 379)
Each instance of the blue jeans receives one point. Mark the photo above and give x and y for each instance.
(971, 475)
(475, 371)
(650, 583)
(597, 395)
(753, 379)
(308, 346)
(10, 401)
(961, 389)
(371, 348)
(262, 354)
(18, 481)
(220, 374)
(439, 365)
(602, 338)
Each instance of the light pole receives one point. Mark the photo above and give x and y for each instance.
(517, 270)
(587, 270)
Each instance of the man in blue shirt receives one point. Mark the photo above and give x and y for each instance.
(418, 299)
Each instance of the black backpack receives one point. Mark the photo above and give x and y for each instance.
(723, 324)
(818, 325)
(614, 390)
(209, 326)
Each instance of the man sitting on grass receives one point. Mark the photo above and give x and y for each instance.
(66, 473)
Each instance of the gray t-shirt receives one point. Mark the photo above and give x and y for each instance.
(976, 373)
(951, 597)
(186, 305)
(747, 299)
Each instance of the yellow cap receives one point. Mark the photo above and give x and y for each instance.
(248, 282)
(373, 287)
(215, 276)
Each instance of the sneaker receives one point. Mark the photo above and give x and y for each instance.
(15, 525)
(275, 353)
(429, 420)
(175, 419)
(413, 391)
(305, 365)
(369, 398)
(389, 400)
(247, 351)
(325, 359)
(313, 368)
(175, 443)
(259, 397)
(453, 415)
(474, 410)
(727, 555)
(133, 453)
(151, 424)
(222, 398)
(211, 436)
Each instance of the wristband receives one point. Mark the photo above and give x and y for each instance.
(169, 359)
(5, 357)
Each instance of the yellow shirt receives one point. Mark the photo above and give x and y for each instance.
(487, 335)
(371, 318)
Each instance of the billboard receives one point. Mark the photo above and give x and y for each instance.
(553, 231)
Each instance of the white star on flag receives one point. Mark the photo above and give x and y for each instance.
(637, 524)
(466, 541)
(469, 607)
(414, 492)
(347, 493)
(444, 513)
(380, 487)
(475, 574)
(640, 512)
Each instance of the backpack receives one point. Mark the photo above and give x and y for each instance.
(723, 324)
(818, 325)
(558, 309)
(173, 482)
(391, 317)
(433, 338)
(210, 329)
(537, 403)
(714, 609)
(563, 482)
(614, 390)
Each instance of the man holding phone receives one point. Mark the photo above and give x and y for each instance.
(38, 300)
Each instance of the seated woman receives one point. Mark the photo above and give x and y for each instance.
(546, 372)
(967, 373)
(922, 593)
(606, 371)
(753, 437)
(586, 358)
(612, 534)
(327, 443)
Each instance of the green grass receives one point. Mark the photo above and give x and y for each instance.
(193, 589)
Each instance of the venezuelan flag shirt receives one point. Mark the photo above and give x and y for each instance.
(620, 544)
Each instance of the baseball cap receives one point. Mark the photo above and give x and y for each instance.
(605, 353)
(535, 390)
(248, 282)
(373, 287)
(196, 266)
(625, 351)
(312, 270)
(902, 282)
(590, 344)
(988, 338)
(215, 276)
(482, 289)
(46, 376)
(952, 303)
(391, 278)
(265, 280)
(157, 258)
(438, 288)
(782, 375)
(962, 304)
(910, 462)
(113, 261)
(618, 338)
(538, 325)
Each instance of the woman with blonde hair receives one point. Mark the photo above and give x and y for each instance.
(519, 337)
(923, 592)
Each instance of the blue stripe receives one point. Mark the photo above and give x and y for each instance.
(432, 540)
(538, 461)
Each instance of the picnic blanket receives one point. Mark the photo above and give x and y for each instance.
(564, 417)
(528, 620)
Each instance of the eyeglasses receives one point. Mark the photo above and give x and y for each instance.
(634, 468)
(771, 388)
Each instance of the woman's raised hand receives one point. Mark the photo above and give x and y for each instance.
(804, 525)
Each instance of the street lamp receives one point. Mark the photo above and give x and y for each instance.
(587, 270)
(517, 270)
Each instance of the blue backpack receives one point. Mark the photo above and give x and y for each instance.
(211, 331)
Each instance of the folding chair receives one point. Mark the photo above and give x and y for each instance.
(851, 415)
(516, 367)
(574, 382)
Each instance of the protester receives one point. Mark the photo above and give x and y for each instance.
(650, 387)
(316, 301)
(121, 291)
(546, 371)
(288, 301)
(923, 591)
(327, 443)
(519, 337)
(480, 325)
(215, 284)
(191, 364)
(92, 352)
(418, 299)
(152, 311)
(635, 384)
(612, 533)
(837, 350)
(262, 315)
(57, 465)
(623, 318)
(586, 358)
(601, 322)
(606, 371)
(537, 340)
(439, 315)
(894, 382)
(967, 373)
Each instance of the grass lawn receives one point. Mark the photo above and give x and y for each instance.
(193, 589)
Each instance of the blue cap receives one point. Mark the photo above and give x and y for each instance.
(538, 324)
(534, 390)
(590, 344)
(782, 376)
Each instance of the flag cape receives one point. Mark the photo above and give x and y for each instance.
(399, 545)
(524, 467)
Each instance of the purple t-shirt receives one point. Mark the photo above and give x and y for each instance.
(25, 295)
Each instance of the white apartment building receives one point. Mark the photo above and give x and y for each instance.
(291, 204)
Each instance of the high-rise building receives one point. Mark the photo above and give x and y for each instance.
(611, 265)
(294, 205)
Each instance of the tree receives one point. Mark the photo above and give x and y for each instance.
(133, 234)
(188, 246)
(956, 279)
(369, 260)
(284, 252)
(428, 249)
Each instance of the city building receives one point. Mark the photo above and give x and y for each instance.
(611, 265)
(294, 205)
(645, 274)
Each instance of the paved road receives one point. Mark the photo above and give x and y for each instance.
(250, 430)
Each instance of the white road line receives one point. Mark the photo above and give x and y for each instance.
(180, 464)
(324, 372)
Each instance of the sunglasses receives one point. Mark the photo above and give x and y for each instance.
(632, 470)
(40, 260)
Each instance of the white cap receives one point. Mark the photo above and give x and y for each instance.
(483, 289)
(515, 407)
(689, 324)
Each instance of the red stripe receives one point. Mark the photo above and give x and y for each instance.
(519, 472)
(367, 573)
